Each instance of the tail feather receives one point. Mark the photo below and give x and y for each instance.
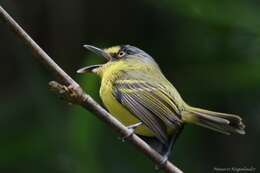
(221, 122)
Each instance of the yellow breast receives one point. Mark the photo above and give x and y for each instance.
(116, 108)
(119, 111)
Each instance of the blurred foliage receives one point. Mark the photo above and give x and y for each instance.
(208, 49)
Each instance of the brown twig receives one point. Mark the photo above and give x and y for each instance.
(79, 97)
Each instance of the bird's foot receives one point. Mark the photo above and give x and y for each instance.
(131, 129)
(162, 162)
(130, 133)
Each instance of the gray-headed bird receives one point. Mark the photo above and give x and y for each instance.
(136, 92)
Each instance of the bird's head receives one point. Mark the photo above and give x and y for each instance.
(123, 55)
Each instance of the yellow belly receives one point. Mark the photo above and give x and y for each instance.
(119, 111)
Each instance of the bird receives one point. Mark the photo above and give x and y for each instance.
(135, 91)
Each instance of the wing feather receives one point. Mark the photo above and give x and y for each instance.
(146, 117)
(149, 102)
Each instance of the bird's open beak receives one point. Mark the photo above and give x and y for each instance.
(88, 68)
(97, 51)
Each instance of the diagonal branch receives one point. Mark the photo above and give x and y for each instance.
(81, 98)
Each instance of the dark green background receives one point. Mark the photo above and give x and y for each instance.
(210, 50)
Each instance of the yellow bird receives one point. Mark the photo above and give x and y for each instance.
(136, 92)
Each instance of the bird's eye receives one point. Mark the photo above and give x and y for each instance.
(121, 54)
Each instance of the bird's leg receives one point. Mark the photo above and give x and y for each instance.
(134, 126)
(166, 155)
(169, 148)
(131, 129)
(172, 142)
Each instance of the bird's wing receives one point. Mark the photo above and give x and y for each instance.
(149, 102)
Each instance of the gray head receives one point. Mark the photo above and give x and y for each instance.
(121, 52)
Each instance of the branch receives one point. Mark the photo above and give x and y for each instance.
(78, 96)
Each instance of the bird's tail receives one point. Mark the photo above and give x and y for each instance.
(221, 122)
